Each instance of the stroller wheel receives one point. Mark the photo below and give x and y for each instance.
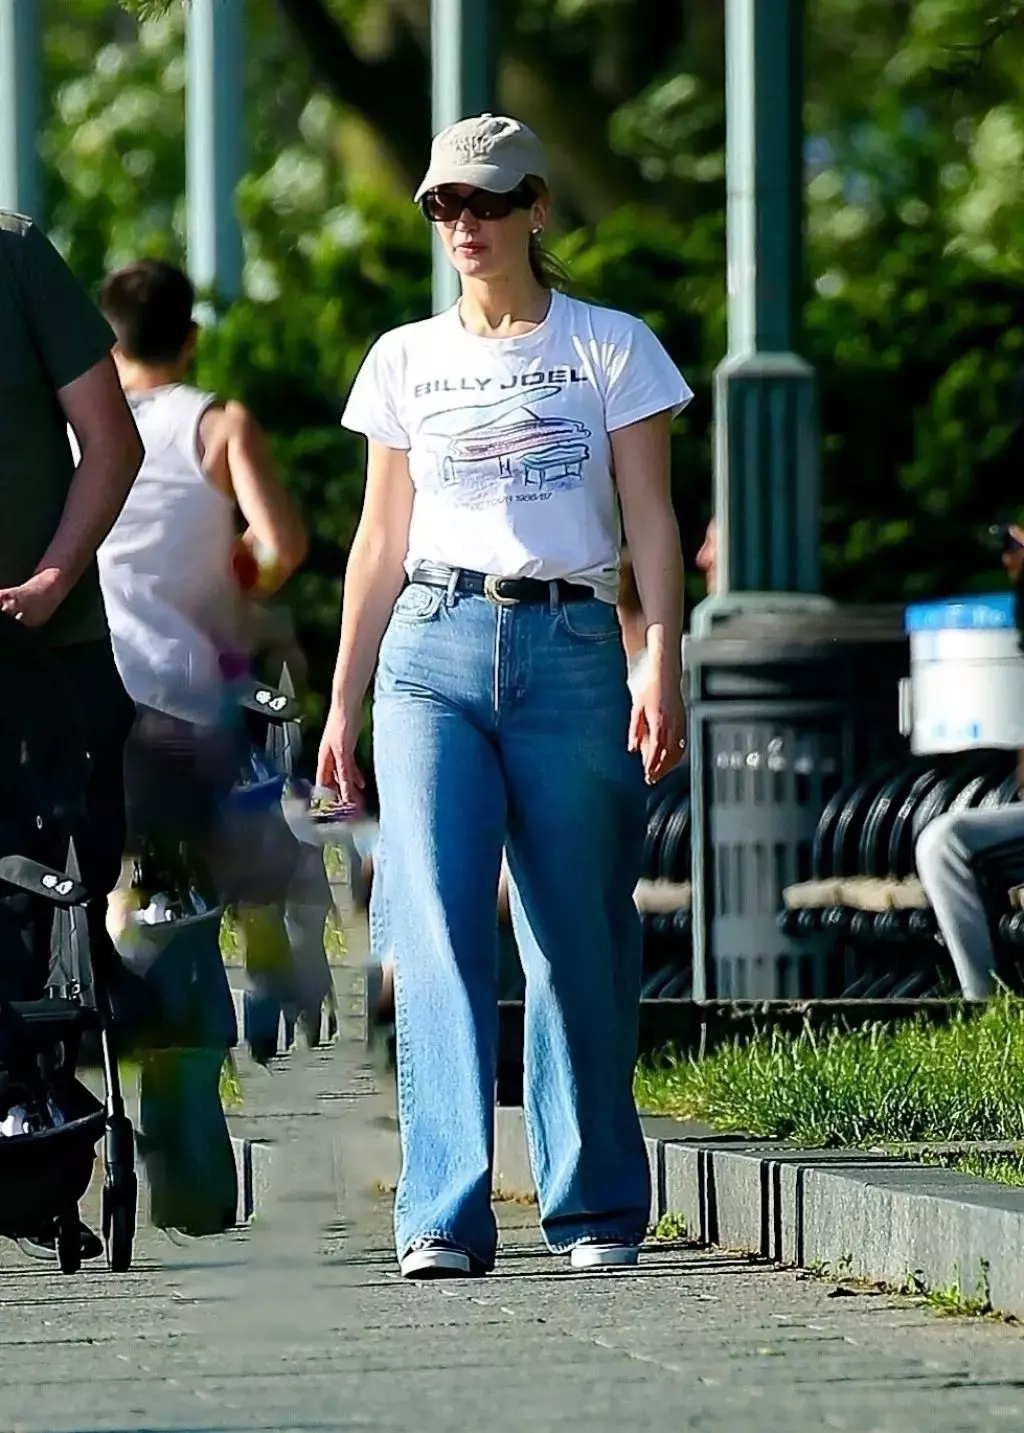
(119, 1224)
(69, 1242)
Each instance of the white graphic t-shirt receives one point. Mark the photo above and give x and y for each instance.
(508, 438)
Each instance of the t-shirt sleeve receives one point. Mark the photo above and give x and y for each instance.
(68, 330)
(373, 401)
(640, 378)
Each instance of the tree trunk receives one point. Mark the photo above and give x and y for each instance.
(573, 122)
(391, 93)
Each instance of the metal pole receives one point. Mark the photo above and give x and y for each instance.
(214, 143)
(20, 188)
(767, 497)
(767, 486)
(463, 48)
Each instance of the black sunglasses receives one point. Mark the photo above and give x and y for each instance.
(446, 206)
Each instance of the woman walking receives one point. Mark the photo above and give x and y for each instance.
(481, 585)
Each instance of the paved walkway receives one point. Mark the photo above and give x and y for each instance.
(301, 1324)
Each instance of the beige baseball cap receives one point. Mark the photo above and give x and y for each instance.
(489, 151)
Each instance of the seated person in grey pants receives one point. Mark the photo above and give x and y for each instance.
(949, 846)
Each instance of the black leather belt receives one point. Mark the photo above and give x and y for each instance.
(503, 591)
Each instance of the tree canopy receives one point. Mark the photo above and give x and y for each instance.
(915, 229)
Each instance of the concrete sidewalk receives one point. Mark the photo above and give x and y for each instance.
(300, 1322)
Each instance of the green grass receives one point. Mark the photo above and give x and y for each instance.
(231, 942)
(952, 1300)
(1002, 1168)
(231, 1094)
(962, 1080)
(230, 946)
(670, 1229)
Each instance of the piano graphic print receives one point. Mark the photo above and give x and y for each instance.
(505, 450)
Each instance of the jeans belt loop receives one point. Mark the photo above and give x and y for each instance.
(554, 598)
(453, 582)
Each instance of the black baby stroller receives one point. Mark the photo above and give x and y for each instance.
(50, 1122)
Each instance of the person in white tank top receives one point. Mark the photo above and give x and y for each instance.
(169, 568)
(173, 574)
(172, 570)
(172, 604)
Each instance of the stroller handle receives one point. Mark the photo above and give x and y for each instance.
(277, 708)
(43, 881)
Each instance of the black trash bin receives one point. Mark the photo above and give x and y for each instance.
(783, 710)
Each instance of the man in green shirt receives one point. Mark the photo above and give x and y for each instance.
(57, 370)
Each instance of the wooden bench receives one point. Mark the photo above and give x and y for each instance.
(858, 893)
(890, 909)
(658, 898)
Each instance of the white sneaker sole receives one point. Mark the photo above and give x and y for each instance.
(435, 1264)
(604, 1256)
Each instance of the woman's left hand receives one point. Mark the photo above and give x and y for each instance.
(657, 727)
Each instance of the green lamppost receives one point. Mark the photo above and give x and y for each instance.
(748, 753)
(767, 493)
(20, 189)
(214, 143)
(463, 45)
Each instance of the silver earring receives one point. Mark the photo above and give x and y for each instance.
(536, 231)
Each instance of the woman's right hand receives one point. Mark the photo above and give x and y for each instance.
(336, 763)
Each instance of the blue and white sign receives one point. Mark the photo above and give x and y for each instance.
(966, 674)
(990, 613)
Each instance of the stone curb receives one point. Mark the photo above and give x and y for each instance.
(261, 1018)
(257, 1018)
(253, 1165)
(866, 1215)
(254, 1161)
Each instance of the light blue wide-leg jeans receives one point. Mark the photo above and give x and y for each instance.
(498, 726)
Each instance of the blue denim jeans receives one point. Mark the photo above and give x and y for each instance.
(507, 726)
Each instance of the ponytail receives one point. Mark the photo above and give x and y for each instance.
(548, 271)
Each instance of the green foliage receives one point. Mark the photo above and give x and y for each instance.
(982, 1164)
(915, 255)
(951, 1300)
(670, 1229)
(232, 1096)
(960, 1081)
(113, 146)
(292, 358)
(325, 271)
(919, 363)
(671, 276)
(147, 9)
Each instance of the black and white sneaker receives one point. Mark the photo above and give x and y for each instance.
(434, 1259)
(591, 1254)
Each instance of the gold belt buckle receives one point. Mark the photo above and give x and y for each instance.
(493, 593)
